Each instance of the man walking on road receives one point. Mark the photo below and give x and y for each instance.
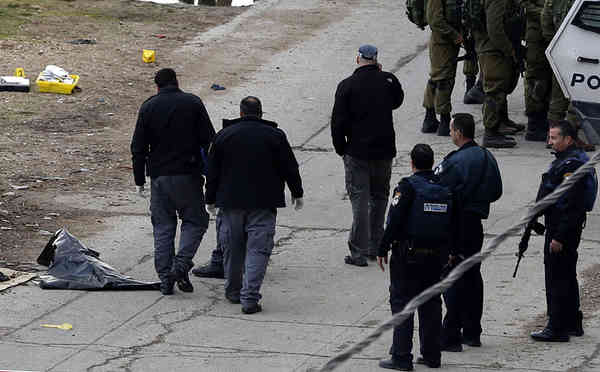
(362, 130)
(472, 174)
(172, 129)
(249, 164)
(564, 221)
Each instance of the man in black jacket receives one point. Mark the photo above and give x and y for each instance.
(249, 164)
(472, 173)
(564, 220)
(172, 129)
(362, 130)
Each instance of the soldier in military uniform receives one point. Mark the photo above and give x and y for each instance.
(497, 58)
(423, 240)
(443, 17)
(553, 14)
(538, 76)
(564, 221)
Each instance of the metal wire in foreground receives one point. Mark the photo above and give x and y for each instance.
(459, 270)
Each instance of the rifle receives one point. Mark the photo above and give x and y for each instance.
(539, 229)
(469, 45)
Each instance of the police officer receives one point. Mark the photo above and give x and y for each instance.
(248, 196)
(538, 75)
(214, 267)
(172, 129)
(362, 130)
(472, 174)
(420, 240)
(444, 20)
(564, 224)
(553, 14)
(497, 58)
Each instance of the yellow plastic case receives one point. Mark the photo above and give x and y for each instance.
(57, 87)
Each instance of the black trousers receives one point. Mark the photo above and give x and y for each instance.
(407, 281)
(562, 288)
(464, 300)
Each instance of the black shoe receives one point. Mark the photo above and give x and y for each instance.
(444, 127)
(511, 124)
(473, 342)
(183, 283)
(548, 335)
(475, 95)
(251, 309)
(395, 364)
(209, 271)
(353, 261)
(234, 299)
(429, 363)
(430, 123)
(497, 140)
(166, 286)
(536, 136)
(452, 348)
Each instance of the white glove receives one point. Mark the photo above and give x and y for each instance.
(298, 203)
(211, 209)
(140, 191)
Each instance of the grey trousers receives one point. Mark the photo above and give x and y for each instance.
(216, 257)
(368, 187)
(171, 197)
(247, 240)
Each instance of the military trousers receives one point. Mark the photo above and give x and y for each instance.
(172, 197)
(562, 287)
(499, 80)
(560, 107)
(368, 187)
(464, 300)
(438, 91)
(247, 240)
(406, 282)
(538, 78)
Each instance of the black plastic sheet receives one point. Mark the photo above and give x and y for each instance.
(74, 266)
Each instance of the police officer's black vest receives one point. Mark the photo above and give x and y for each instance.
(430, 215)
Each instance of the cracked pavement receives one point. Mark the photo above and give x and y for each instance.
(314, 305)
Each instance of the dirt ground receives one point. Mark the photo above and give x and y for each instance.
(52, 144)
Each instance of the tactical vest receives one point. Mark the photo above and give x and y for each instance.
(551, 180)
(430, 213)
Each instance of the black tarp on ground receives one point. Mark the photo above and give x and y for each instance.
(74, 266)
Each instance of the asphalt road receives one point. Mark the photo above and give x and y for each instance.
(314, 305)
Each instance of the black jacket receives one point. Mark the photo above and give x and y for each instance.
(565, 218)
(248, 166)
(400, 213)
(361, 122)
(472, 173)
(171, 129)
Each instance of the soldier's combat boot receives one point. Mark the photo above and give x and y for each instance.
(444, 127)
(430, 123)
(493, 139)
(474, 96)
(537, 127)
(511, 124)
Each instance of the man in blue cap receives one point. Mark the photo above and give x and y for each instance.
(362, 130)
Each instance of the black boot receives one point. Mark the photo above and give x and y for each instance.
(444, 127)
(493, 139)
(474, 96)
(537, 127)
(210, 270)
(550, 335)
(430, 123)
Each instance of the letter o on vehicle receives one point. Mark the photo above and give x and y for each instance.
(594, 82)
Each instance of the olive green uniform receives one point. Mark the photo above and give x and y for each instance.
(495, 51)
(538, 76)
(553, 13)
(443, 52)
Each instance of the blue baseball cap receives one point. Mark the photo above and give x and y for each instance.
(367, 51)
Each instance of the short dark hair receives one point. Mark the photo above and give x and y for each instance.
(566, 129)
(465, 124)
(251, 106)
(165, 77)
(422, 156)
